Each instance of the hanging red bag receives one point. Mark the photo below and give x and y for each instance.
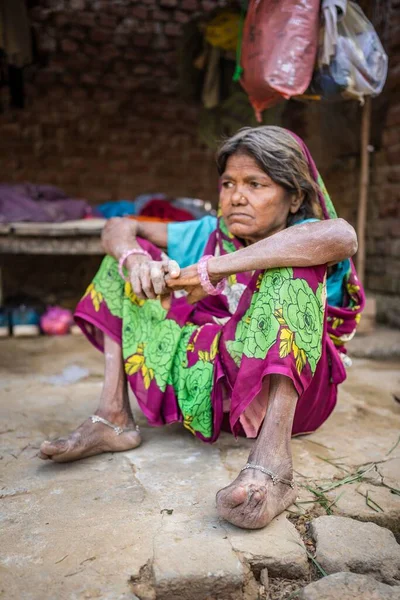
(278, 50)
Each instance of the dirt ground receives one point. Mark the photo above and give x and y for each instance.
(142, 524)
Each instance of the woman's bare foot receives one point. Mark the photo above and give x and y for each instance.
(92, 438)
(252, 500)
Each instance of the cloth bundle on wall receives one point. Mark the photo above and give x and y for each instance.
(351, 60)
(207, 75)
(15, 47)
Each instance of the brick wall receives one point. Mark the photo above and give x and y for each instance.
(104, 120)
(383, 233)
(103, 116)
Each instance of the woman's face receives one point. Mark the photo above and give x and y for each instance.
(253, 206)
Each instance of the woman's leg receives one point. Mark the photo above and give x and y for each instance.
(95, 438)
(252, 500)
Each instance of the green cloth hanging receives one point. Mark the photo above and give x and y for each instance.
(239, 69)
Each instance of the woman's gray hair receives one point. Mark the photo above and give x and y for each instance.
(279, 155)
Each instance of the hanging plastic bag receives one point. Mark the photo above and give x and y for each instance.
(351, 60)
(278, 50)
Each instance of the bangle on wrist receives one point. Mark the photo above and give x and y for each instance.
(205, 278)
(125, 256)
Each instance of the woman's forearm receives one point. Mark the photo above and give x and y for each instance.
(119, 235)
(311, 244)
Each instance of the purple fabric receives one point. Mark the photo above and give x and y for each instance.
(39, 204)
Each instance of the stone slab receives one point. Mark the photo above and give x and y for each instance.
(196, 556)
(348, 586)
(344, 544)
(278, 548)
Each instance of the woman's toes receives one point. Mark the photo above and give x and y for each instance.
(255, 496)
(49, 448)
(232, 497)
(43, 456)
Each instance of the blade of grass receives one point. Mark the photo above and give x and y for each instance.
(331, 462)
(336, 499)
(371, 503)
(313, 560)
(394, 447)
(319, 444)
(392, 489)
(358, 476)
(321, 499)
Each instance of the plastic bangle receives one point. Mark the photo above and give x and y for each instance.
(125, 256)
(205, 279)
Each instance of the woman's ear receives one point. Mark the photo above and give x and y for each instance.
(296, 200)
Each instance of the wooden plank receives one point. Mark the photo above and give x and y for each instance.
(5, 228)
(82, 245)
(364, 185)
(68, 228)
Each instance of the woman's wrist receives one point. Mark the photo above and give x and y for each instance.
(215, 269)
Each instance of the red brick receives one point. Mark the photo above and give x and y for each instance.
(101, 5)
(391, 136)
(141, 69)
(181, 17)
(393, 115)
(140, 12)
(108, 21)
(60, 20)
(78, 33)
(173, 29)
(90, 50)
(100, 35)
(142, 40)
(393, 154)
(395, 228)
(160, 42)
(189, 5)
(119, 166)
(78, 93)
(160, 15)
(208, 5)
(121, 39)
(169, 3)
(87, 18)
(127, 26)
(77, 4)
(108, 52)
(89, 79)
(110, 80)
(101, 95)
(393, 174)
(69, 46)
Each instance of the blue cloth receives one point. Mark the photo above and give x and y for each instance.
(119, 208)
(187, 241)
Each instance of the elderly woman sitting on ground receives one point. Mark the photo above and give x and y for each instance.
(247, 337)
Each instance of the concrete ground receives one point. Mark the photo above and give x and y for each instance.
(142, 524)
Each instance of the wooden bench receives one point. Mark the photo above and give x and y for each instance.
(72, 237)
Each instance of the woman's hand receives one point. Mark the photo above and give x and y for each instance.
(189, 281)
(147, 277)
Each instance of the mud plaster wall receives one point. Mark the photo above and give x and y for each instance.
(104, 120)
